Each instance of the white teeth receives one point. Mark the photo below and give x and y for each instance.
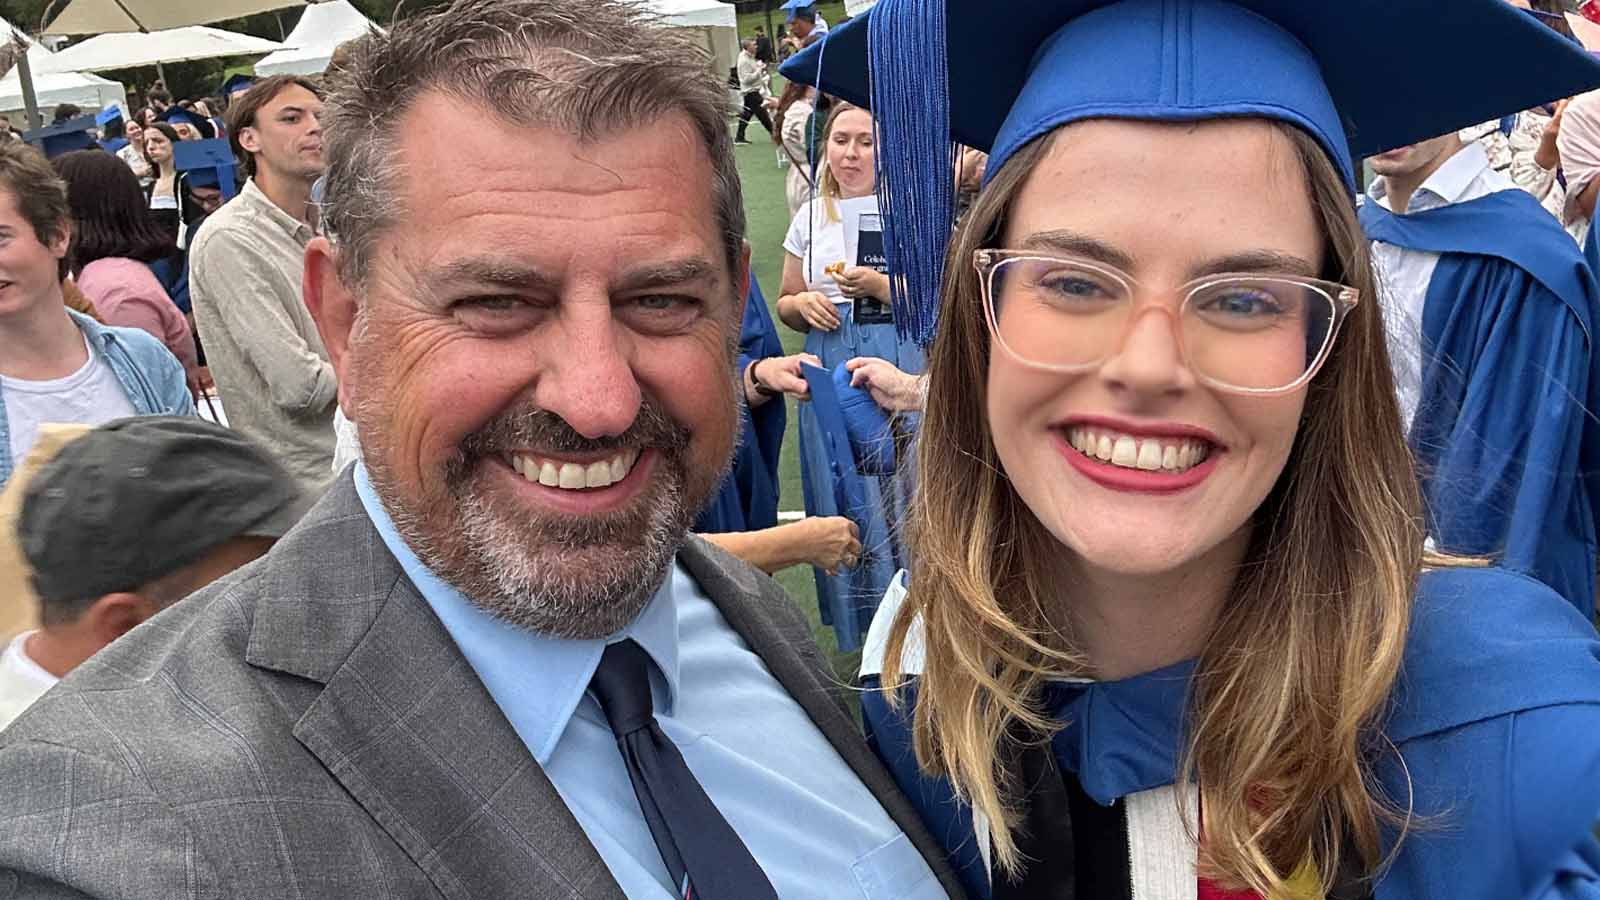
(1148, 454)
(1125, 453)
(573, 476)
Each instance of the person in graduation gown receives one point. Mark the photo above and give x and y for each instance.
(742, 516)
(1489, 307)
(1170, 628)
(818, 297)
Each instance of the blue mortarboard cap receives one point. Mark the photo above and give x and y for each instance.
(179, 114)
(794, 6)
(1355, 75)
(207, 163)
(108, 115)
(237, 82)
(73, 134)
(203, 178)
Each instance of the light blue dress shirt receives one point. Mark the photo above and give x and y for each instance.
(813, 827)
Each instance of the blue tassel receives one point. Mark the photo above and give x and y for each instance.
(916, 160)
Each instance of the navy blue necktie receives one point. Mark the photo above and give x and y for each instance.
(704, 855)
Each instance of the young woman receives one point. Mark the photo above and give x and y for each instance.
(162, 193)
(133, 154)
(1169, 631)
(113, 244)
(822, 292)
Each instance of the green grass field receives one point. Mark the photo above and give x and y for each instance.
(768, 220)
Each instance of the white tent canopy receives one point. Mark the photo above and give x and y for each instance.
(322, 27)
(91, 92)
(854, 8)
(716, 25)
(696, 13)
(123, 50)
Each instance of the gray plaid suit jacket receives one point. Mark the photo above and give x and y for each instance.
(306, 728)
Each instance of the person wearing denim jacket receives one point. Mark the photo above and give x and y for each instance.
(148, 372)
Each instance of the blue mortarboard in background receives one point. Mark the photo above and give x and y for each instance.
(206, 164)
(1359, 76)
(794, 6)
(235, 83)
(110, 121)
(73, 134)
(179, 114)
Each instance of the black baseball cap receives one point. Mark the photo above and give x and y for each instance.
(139, 498)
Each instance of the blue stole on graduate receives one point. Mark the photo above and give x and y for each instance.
(1507, 451)
(748, 497)
(1489, 653)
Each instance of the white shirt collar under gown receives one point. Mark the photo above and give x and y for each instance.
(1404, 275)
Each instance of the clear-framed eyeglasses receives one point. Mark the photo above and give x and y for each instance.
(1244, 333)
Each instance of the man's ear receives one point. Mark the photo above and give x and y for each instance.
(62, 240)
(114, 615)
(249, 142)
(742, 279)
(332, 305)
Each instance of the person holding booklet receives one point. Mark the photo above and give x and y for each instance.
(841, 306)
(1170, 628)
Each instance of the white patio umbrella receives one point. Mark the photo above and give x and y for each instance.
(102, 16)
(123, 50)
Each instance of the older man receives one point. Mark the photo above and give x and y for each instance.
(489, 663)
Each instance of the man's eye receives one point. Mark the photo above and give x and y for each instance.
(666, 302)
(493, 304)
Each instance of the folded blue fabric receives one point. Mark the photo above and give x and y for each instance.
(871, 440)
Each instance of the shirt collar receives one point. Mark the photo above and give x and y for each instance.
(1448, 184)
(297, 229)
(536, 680)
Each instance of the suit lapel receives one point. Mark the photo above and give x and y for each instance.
(405, 725)
(738, 595)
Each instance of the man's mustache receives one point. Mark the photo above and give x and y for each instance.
(533, 429)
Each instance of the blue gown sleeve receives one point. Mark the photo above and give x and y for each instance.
(747, 499)
(1507, 807)
(1498, 454)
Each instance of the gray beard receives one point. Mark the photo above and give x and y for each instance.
(561, 578)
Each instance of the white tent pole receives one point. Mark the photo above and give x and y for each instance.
(30, 101)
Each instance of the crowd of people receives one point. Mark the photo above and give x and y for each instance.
(1199, 439)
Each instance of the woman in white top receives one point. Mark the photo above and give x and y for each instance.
(825, 307)
(133, 154)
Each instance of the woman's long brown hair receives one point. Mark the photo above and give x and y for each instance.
(1285, 704)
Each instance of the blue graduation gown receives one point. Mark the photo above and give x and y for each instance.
(747, 500)
(846, 601)
(1508, 456)
(1496, 716)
